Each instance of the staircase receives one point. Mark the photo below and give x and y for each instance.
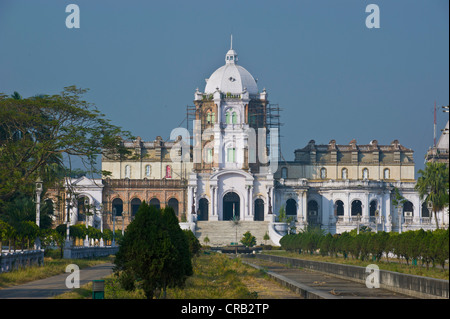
(223, 233)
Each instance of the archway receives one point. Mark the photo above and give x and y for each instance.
(259, 210)
(203, 209)
(231, 206)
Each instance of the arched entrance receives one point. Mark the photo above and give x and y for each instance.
(259, 210)
(203, 205)
(231, 206)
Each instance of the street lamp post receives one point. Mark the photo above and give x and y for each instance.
(38, 210)
(114, 226)
(38, 201)
(68, 220)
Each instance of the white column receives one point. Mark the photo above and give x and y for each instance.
(189, 204)
(299, 205)
(366, 209)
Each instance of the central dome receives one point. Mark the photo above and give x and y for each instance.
(231, 78)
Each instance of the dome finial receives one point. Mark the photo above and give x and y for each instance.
(231, 56)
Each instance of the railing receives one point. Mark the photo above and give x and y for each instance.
(20, 259)
(139, 183)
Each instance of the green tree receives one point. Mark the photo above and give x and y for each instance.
(248, 240)
(36, 133)
(194, 244)
(433, 186)
(27, 231)
(153, 251)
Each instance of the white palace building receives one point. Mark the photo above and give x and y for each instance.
(231, 168)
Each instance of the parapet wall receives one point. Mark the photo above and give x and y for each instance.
(415, 286)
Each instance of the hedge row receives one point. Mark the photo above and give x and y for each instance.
(427, 246)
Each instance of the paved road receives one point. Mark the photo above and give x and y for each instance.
(325, 286)
(52, 286)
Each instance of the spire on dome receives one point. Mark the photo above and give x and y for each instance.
(231, 57)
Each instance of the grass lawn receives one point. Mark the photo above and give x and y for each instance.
(216, 276)
(52, 266)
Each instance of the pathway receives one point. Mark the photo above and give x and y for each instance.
(52, 286)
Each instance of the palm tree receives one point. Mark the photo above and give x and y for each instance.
(433, 186)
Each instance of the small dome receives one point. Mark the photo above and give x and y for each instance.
(231, 78)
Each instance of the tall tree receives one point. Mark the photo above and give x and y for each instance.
(38, 133)
(155, 251)
(433, 186)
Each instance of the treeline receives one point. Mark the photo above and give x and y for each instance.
(430, 247)
(22, 235)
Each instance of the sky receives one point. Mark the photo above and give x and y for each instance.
(333, 77)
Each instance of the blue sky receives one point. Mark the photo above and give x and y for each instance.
(333, 77)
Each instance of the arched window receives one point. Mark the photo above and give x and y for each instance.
(148, 170)
(135, 203)
(208, 155)
(227, 117)
(127, 171)
(231, 155)
(82, 205)
(365, 173)
(356, 208)
(234, 118)
(373, 209)
(386, 173)
(173, 203)
(284, 172)
(323, 173)
(291, 207)
(168, 171)
(117, 207)
(344, 173)
(408, 209)
(213, 117)
(425, 210)
(155, 203)
(339, 208)
(208, 117)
